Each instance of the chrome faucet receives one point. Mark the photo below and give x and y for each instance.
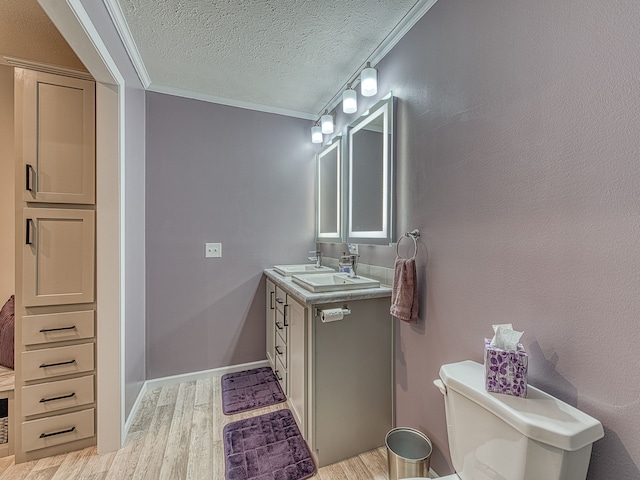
(317, 257)
(353, 258)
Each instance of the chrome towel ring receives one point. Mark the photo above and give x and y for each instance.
(414, 235)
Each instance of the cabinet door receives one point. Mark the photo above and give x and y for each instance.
(296, 348)
(57, 140)
(271, 322)
(57, 256)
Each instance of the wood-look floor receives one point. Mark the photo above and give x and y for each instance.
(177, 434)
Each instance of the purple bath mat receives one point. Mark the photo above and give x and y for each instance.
(266, 447)
(250, 389)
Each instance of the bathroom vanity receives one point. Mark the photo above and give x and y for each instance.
(338, 376)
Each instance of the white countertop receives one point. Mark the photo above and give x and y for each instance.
(310, 298)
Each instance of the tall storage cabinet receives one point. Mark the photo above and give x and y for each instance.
(55, 264)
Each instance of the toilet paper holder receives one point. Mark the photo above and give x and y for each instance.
(345, 311)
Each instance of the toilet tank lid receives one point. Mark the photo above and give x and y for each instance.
(540, 416)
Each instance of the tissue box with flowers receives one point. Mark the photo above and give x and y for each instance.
(505, 370)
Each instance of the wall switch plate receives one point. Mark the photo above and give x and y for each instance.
(212, 250)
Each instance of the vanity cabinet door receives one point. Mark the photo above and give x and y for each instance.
(271, 322)
(297, 366)
(56, 128)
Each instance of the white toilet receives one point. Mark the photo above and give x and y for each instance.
(499, 437)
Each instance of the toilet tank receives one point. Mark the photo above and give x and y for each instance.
(499, 437)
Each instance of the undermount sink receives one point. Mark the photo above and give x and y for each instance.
(288, 270)
(333, 282)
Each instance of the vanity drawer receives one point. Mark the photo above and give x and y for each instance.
(281, 350)
(282, 325)
(53, 362)
(50, 431)
(281, 375)
(281, 299)
(52, 396)
(57, 327)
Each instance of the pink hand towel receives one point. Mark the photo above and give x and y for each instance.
(404, 298)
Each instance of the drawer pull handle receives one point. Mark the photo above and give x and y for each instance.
(280, 301)
(45, 365)
(286, 305)
(29, 239)
(278, 350)
(47, 330)
(278, 376)
(279, 326)
(30, 169)
(68, 430)
(44, 400)
(272, 294)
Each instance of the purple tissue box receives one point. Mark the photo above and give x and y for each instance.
(505, 370)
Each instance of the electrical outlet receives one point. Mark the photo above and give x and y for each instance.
(353, 248)
(212, 250)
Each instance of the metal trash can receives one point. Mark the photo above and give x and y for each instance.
(408, 453)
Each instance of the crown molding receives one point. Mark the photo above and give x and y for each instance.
(47, 68)
(117, 17)
(205, 97)
(399, 31)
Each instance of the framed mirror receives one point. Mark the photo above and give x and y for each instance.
(329, 193)
(370, 176)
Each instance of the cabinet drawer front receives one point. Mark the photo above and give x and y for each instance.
(281, 324)
(281, 375)
(52, 362)
(57, 327)
(52, 396)
(281, 299)
(281, 350)
(50, 431)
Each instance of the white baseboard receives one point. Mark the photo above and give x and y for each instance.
(190, 377)
(134, 410)
(185, 377)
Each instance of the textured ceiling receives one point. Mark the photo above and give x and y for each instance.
(27, 33)
(285, 54)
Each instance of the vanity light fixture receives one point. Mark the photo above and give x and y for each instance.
(349, 100)
(316, 134)
(369, 81)
(326, 121)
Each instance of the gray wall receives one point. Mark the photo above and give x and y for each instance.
(219, 174)
(134, 211)
(518, 158)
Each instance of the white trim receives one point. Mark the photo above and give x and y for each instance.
(433, 474)
(118, 19)
(73, 21)
(399, 31)
(205, 97)
(134, 409)
(48, 68)
(190, 377)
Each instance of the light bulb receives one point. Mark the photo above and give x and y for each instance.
(316, 134)
(349, 100)
(327, 123)
(369, 81)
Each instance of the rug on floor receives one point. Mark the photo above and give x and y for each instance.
(266, 447)
(251, 389)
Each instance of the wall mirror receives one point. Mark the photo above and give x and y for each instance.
(329, 191)
(370, 171)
